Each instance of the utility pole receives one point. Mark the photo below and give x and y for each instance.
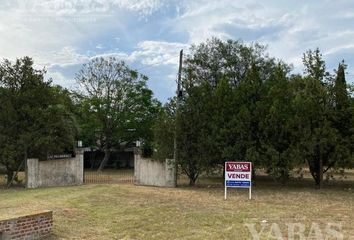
(179, 96)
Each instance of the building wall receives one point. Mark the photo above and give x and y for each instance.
(56, 172)
(34, 226)
(154, 173)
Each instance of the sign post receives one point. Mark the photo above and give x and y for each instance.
(238, 175)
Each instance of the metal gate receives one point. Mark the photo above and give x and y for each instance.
(119, 169)
(109, 176)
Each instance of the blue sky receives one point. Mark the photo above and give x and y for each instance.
(61, 35)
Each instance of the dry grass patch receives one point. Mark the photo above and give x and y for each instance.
(136, 212)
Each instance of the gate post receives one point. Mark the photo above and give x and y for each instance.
(171, 173)
(32, 172)
(137, 158)
(79, 158)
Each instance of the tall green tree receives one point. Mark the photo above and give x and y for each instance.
(246, 121)
(231, 74)
(117, 105)
(343, 116)
(164, 131)
(34, 122)
(317, 136)
(194, 132)
(342, 101)
(222, 109)
(276, 126)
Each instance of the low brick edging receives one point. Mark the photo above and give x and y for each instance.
(32, 226)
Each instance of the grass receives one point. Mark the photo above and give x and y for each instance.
(90, 176)
(125, 211)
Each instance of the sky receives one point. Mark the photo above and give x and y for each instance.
(61, 35)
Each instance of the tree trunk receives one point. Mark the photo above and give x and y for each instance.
(320, 170)
(253, 173)
(10, 175)
(192, 181)
(107, 154)
(92, 158)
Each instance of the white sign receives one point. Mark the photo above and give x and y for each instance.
(238, 175)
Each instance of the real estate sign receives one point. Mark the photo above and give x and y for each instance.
(238, 175)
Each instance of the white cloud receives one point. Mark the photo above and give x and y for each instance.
(56, 8)
(288, 28)
(59, 79)
(202, 19)
(63, 34)
(158, 52)
(51, 31)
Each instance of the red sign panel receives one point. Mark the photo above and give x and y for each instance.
(238, 166)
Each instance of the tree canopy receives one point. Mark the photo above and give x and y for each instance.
(237, 103)
(116, 106)
(35, 119)
(240, 104)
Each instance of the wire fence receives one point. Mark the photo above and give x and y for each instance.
(109, 176)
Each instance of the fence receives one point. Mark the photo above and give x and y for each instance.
(145, 172)
(118, 169)
(109, 176)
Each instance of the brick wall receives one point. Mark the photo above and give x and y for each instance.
(34, 226)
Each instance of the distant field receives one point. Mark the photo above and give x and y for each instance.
(21, 177)
(125, 211)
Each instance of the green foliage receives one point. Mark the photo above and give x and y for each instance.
(319, 116)
(240, 104)
(230, 60)
(195, 143)
(276, 125)
(36, 119)
(164, 132)
(116, 105)
(230, 76)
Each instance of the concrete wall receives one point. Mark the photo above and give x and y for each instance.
(56, 172)
(154, 173)
(33, 226)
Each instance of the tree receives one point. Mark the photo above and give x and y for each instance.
(222, 110)
(226, 66)
(117, 105)
(315, 66)
(194, 132)
(245, 123)
(164, 130)
(216, 60)
(276, 126)
(229, 76)
(342, 101)
(343, 117)
(34, 122)
(317, 136)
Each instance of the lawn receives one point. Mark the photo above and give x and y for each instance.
(125, 211)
